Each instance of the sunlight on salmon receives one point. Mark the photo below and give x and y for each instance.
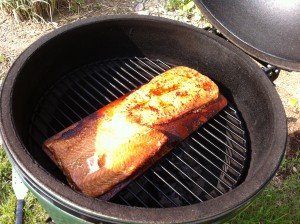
(111, 135)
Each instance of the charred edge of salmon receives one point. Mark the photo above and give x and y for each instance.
(194, 120)
(75, 128)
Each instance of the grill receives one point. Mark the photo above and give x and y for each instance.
(211, 162)
(209, 177)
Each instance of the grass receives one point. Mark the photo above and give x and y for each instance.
(177, 4)
(184, 6)
(34, 213)
(279, 202)
(36, 9)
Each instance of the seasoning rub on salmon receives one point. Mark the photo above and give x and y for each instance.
(106, 150)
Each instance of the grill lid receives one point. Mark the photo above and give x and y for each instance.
(267, 30)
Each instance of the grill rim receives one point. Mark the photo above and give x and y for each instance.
(209, 210)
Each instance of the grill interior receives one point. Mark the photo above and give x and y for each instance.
(211, 162)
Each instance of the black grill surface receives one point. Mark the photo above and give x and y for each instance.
(211, 162)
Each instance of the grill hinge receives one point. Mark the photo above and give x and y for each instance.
(214, 30)
(271, 71)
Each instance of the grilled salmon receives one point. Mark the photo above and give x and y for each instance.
(106, 150)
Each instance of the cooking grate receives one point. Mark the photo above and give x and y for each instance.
(211, 162)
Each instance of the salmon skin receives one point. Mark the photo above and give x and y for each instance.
(106, 150)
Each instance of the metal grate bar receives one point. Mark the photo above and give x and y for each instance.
(214, 154)
(40, 131)
(124, 79)
(230, 139)
(110, 84)
(41, 118)
(208, 160)
(80, 87)
(149, 67)
(231, 116)
(77, 104)
(70, 109)
(190, 179)
(228, 129)
(98, 94)
(144, 70)
(232, 124)
(138, 199)
(211, 142)
(186, 164)
(149, 194)
(169, 185)
(155, 64)
(161, 62)
(234, 111)
(204, 167)
(90, 95)
(83, 99)
(60, 112)
(159, 190)
(103, 86)
(36, 141)
(124, 200)
(179, 182)
(136, 72)
(51, 126)
(92, 86)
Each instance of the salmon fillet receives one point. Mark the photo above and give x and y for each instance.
(106, 150)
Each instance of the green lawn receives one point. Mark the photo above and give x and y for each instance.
(34, 213)
(279, 203)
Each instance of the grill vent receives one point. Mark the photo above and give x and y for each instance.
(211, 162)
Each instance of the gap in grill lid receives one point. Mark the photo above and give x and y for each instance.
(211, 162)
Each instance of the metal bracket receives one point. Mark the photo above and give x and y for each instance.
(214, 31)
(271, 71)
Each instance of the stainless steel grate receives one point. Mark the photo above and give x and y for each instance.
(211, 162)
